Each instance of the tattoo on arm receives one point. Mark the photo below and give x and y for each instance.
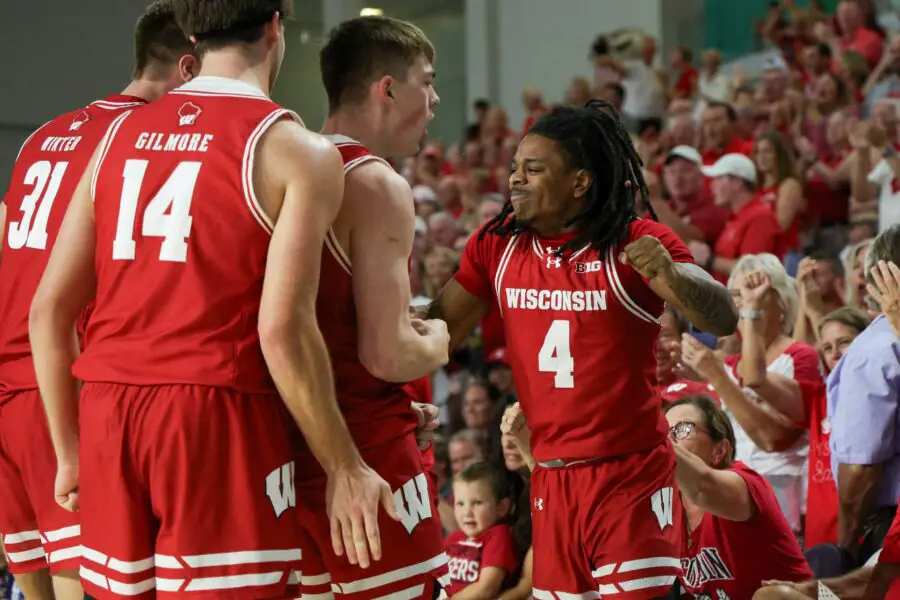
(703, 300)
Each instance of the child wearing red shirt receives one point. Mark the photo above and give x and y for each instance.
(482, 552)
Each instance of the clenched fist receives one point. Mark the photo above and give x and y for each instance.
(649, 257)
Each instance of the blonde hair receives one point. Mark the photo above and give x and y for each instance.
(783, 284)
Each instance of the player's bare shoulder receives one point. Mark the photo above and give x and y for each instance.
(289, 154)
(375, 190)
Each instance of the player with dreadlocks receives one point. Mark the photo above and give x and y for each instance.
(581, 282)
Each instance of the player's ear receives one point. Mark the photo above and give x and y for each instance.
(503, 508)
(582, 183)
(188, 67)
(385, 85)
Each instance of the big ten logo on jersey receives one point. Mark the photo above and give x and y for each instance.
(661, 504)
(465, 564)
(413, 502)
(588, 267)
(705, 567)
(280, 488)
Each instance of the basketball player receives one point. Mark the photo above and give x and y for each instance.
(38, 533)
(199, 226)
(581, 282)
(379, 78)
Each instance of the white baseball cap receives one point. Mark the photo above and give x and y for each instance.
(420, 226)
(688, 153)
(736, 165)
(423, 193)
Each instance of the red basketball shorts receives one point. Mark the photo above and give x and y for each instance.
(607, 528)
(412, 556)
(187, 492)
(37, 532)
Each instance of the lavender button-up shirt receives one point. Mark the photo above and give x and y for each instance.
(864, 407)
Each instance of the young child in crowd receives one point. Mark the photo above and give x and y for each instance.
(482, 552)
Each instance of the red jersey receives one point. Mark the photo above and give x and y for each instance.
(494, 547)
(752, 229)
(421, 391)
(581, 334)
(376, 411)
(47, 170)
(822, 496)
(789, 239)
(729, 559)
(890, 554)
(181, 242)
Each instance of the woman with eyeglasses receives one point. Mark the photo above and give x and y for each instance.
(738, 534)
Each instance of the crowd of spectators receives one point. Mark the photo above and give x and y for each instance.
(778, 181)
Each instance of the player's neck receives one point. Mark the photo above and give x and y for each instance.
(358, 125)
(232, 63)
(145, 89)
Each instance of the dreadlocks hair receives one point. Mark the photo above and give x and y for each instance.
(591, 138)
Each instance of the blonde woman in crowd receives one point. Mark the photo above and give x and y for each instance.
(855, 267)
(766, 388)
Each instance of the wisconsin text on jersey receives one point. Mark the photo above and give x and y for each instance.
(571, 300)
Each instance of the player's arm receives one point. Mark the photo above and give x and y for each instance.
(460, 309)
(687, 287)
(68, 284)
(391, 346)
(309, 174)
(720, 492)
(488, 585)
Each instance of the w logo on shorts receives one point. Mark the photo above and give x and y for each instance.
(661, 503)
(280, 488)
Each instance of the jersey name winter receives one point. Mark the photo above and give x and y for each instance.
(581, 334)
(376, 411)
(181, 242)
(47, 170)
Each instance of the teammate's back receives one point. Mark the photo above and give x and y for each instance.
(181, 241)
(46, 172)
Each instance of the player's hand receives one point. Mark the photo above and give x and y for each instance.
(514, 424)
(437, 329)
(353, 497)
(700, 358)
(649, 257)
(65, 489)
(429, 421)
(886, 291)
(754, 287)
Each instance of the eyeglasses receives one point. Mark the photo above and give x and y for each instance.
(683, 430)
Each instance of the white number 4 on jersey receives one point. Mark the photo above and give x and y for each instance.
(555, 355)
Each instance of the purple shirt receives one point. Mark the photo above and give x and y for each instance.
(864, 407)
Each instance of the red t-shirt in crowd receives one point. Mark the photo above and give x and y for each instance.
(737, 145)
(705, 214)
(494, 547)
(730, 559)
(822, 498)
(687, 82)
(890, 553)
(826, 205)
(789, 239)
(752, 229)
(866, 43)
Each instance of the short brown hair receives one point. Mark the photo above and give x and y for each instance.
(158, 41)
(361, 50)
(886, 247)
(853, 318)
(488, 473)
(220, 23)
(715, 421)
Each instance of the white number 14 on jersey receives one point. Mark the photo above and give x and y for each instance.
(556, 357)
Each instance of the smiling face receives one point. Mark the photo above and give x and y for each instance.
(544, 191)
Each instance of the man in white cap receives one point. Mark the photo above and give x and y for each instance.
(751, 228)
(690, 211)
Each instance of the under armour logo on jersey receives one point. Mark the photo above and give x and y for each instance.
(538, 504)
(661, 504)
(552, 259)
(79, 120)
(188, 113)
